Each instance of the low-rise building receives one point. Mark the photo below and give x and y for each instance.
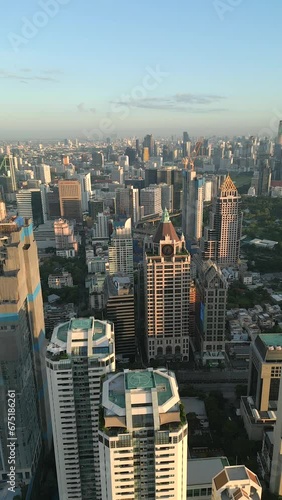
(236, 482)
(201, 472)
(60, 280)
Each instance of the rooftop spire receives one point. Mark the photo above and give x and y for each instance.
(228, 184)
(165, 216)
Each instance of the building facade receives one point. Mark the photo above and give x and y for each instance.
(81, 351)
(65, 240)
(167, 293)
(70, 195)
(142, 437)
(151, 200)
(211, 300)
(22, 339)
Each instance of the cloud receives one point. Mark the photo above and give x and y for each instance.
(184, 103)
(14, 76)
(51, 71)
(82, 109)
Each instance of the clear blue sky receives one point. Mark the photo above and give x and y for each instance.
(222, 67)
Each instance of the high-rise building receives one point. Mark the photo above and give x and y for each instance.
(166, 196)
(65, 239)
(121, 249)
(85, 182)
(127, 203)
(146, 154)
(80, 353)
(96, 206)
(8, 176)
(22, 367)
(276, 464)
(151, 199)
(119, 308)
(30, 205)
(101, 227)
(70, 199)
(211, 299)
(193, 205)
(258, 409)
(42, 173)
(149, 143)
(221, 241)
(167, 293)
(279, 137)
(142, 437)
(53, 203)
(236, 482)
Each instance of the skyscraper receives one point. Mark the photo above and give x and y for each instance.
(193, 205)
(8, 176)
(119, 308)
(30, 205)
(142, 437)
(121, 249)
(149, 143)
(279, 137)
(211, 299)
(221, 241)
(70, 199)
(65, 239)
(127, 203)
(22, 367)
(167, 293)
(80, 353)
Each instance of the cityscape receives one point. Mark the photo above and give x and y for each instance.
(141, 250)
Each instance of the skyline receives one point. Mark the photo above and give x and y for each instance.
(203, 67)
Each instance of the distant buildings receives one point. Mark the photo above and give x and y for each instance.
(221, 241)
(127, 203)
(167, 293)
(80, 353)
(142, 437)
(59, 281)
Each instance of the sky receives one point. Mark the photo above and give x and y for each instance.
(93, 68)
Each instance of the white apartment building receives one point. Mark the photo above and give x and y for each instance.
(65, 240)
(167, 293)
(81, 351)
(142, 437)
(121, 249)
(101, 227)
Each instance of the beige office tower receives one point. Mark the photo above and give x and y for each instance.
(167, 293)
(70, 199)
(221, 241)
(22, 351)
(236, 482)
(81, 351)
(142, 437)
(276, 465)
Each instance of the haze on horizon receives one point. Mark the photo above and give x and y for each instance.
(96, 69)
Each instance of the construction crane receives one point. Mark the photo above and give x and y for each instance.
(190, 160)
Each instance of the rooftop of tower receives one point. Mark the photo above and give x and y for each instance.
(165, 228)
(228, 185)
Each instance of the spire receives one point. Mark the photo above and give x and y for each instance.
(228, 185)
(165, 216)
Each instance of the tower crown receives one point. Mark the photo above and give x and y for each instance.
(228, 185)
